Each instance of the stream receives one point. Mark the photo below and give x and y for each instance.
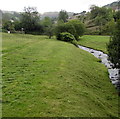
(113, 72)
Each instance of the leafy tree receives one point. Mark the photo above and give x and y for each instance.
(9, 25)
(114, 49)
(78, 28)
(49, 31)
(31, 20)
(63, 15)
(17, 25)
(75, 27)
(117, 15)
(107, 28)
(46, 22)
(94, 11)
(60, 28)
(48, 26)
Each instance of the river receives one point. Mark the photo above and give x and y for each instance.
(113, 72)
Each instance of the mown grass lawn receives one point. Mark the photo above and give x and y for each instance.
(95, 41)
(50, 78)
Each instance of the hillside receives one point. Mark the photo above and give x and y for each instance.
(54, 14)
(115, 5)
(8, 15)
(50, 78)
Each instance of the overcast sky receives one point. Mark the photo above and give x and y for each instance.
(52, 5)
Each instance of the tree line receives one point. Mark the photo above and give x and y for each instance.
(99, 20)
(31, 23)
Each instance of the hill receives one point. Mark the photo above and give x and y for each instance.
(115, 5)
(8, 15)
(54, 14)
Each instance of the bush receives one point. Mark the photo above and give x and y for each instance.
(65, 36)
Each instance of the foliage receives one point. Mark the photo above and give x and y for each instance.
(117, 15)
(94, 11)
(101, 13)
(63, 15)
(46, 22)
(75, 27)
(30, 20)
(109, 28)
(65, 36)
(48, 26)
(101, 16)
(49, 31)
(9, 25)
(78, 26)
(18, 25)
(114, 47)
(59, 28)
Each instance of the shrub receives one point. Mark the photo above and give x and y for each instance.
(65, 36)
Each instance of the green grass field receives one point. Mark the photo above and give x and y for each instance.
(95, 42)
(48, 78)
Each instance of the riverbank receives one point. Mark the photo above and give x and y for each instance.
(113, 72)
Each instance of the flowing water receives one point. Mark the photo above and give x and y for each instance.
(113, 72)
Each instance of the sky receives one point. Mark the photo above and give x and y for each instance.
(52, 5)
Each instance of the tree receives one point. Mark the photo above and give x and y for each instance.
(50, 31)
(46, 22)
(9, 25)
(78, 28)
(101, 16)
(31, 20)
(75, 27)
(117, 15)
(48, 26)
(107, 28)
(94, 11)
(17, 25)
(114, 49)
(63, 15)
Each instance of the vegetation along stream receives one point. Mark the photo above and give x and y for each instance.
(113, 72)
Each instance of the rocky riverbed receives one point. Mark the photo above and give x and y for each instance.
(113, 72)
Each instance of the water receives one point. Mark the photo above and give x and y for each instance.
(113, 72)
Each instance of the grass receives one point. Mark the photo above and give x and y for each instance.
(50, 78)
(95, 41)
